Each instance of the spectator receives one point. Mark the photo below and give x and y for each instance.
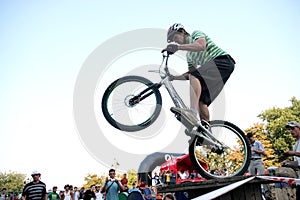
(62, 194)
(193, 174)
(89, 194)
(169, 196)
(294, 128)
(156, 178)
(98, 193)
(76, 193)
(172, 177)
(124, 180)
(146, 192)
(168, 177)
(112, 186)
(81, 193)
(183, 174)
(53, 195)
(36, 189)
(256, 166)
(134, 188)
(68, 194)
(163, 177)
(3, 195)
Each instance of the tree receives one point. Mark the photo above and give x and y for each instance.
(93, 179)
(132, 177)
(12, 181)
(276, 119)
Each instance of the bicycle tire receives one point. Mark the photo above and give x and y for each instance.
(234, 161)
(121, 115)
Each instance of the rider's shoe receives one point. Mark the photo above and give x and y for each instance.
(187, 114)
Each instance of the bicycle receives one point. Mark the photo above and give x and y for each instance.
(133, 103)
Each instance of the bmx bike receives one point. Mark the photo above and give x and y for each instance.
(133, 103)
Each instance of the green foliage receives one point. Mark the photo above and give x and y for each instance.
(132, 177)
(276, 119)
(12, 181)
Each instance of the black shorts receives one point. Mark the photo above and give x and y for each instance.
(213, 76)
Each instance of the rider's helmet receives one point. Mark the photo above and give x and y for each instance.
(172, 30)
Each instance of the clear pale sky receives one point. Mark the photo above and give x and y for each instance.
(43, 45)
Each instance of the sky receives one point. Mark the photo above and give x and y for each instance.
(44, 45)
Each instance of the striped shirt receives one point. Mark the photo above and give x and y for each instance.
(200, 58)
(34, 191)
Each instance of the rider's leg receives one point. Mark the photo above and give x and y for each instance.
(203, 110)
(196, 105)
(195, 93)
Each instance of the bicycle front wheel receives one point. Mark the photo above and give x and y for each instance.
(127, 115)
(232, 161)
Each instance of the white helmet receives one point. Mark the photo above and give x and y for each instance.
(172, 30)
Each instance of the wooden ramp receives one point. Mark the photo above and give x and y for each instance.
(249, 191)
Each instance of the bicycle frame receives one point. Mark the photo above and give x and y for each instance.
(178, 102)
(168, 84)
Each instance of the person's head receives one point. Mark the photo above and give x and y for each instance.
(54, 189)
(3, 190)
(177, 33)
(35, 175)
(97, 187)
(169, 196)
(250, 136)
(294, 128)
(67, 187)
(124, 175)
(92, 187)
(112, 173)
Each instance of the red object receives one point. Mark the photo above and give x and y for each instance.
(181, 163)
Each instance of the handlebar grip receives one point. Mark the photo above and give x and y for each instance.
(168, 52)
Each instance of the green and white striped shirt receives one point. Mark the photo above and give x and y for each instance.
(200, 58)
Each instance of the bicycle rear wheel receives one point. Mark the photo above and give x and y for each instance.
(233, 161)
(127, 115)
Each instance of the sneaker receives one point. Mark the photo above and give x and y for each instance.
(187, 114)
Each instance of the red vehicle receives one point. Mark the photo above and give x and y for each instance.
(183, 168)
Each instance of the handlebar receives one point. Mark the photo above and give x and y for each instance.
(168, 52)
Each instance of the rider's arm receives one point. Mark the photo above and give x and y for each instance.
(198, 45)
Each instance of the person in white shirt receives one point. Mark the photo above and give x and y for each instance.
(99, 195)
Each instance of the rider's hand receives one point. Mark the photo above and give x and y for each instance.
(171, 48)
